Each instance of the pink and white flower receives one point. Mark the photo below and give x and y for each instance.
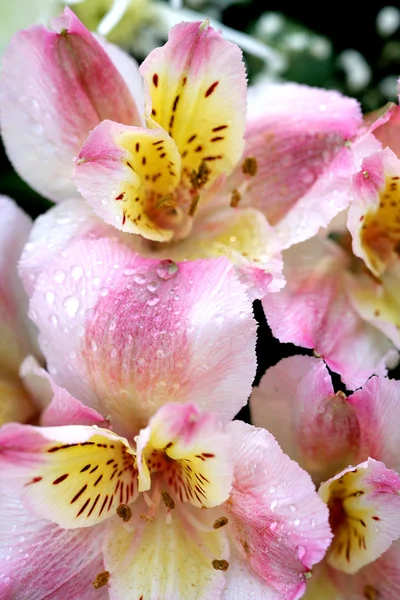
(317, 310)
(129, 511)
(325, 432)
(17, 340)
(187, 173)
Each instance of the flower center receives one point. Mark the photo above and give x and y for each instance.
(380, 232)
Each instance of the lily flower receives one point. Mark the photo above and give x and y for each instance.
(166, 514)
(184, 172)
(16, 335)
(326, 432)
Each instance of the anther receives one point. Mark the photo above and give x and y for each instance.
(220, 565)
(124, 511)
(249, 166)
(220, 522)
(169, 503)
(101, 580)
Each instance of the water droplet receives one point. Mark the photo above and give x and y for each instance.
(139, 278)
(273, 526)
(152, 286)
(112, 325)
(167, 269)
(160, 353)
(53, 320)
(103, 292)
(96, 281)
(313, 522)
(292, 507)
(71, 305)
(176, 386)
(93, 345)
(219, 318)
(272, 489)
(113, 352)
(76, 272)
(273, 504)
(300, 552)
(59, 276)
(153, 301)
(296, 522)
(50, 296)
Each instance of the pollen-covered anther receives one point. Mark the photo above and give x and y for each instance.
(220, 565)
(168, 501)
(365, 174)
(124, 512)
(199, 178)
(101, 580)
(250, 166)
(220, 522)
(235, 198)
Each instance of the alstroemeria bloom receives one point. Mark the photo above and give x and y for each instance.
(192, 182)
(132, 512)
(325, 432)
(317, 310)
(16, 338)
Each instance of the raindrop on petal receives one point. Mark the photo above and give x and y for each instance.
(167, 269)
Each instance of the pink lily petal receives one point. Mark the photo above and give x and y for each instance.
(378, 412)
(75, 476)
(125, 172)
(377, 581)
(115, 328)
(377, 300)
(297, 136)
(314, 311)
(196, 86)
(242, 582)
(389, 132)
(187, 436)
(364, 505)
(52, 232)
(280, 524)
(375, 211)
(166, 559)
(16, 339)
(296, 402)
(57, 86)
(59, 407)
(40, 560)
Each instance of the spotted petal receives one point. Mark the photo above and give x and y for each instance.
(197, 92)
(195, 450)
(127, 175)
(76, 476)
(374, 216)
(364, 505)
